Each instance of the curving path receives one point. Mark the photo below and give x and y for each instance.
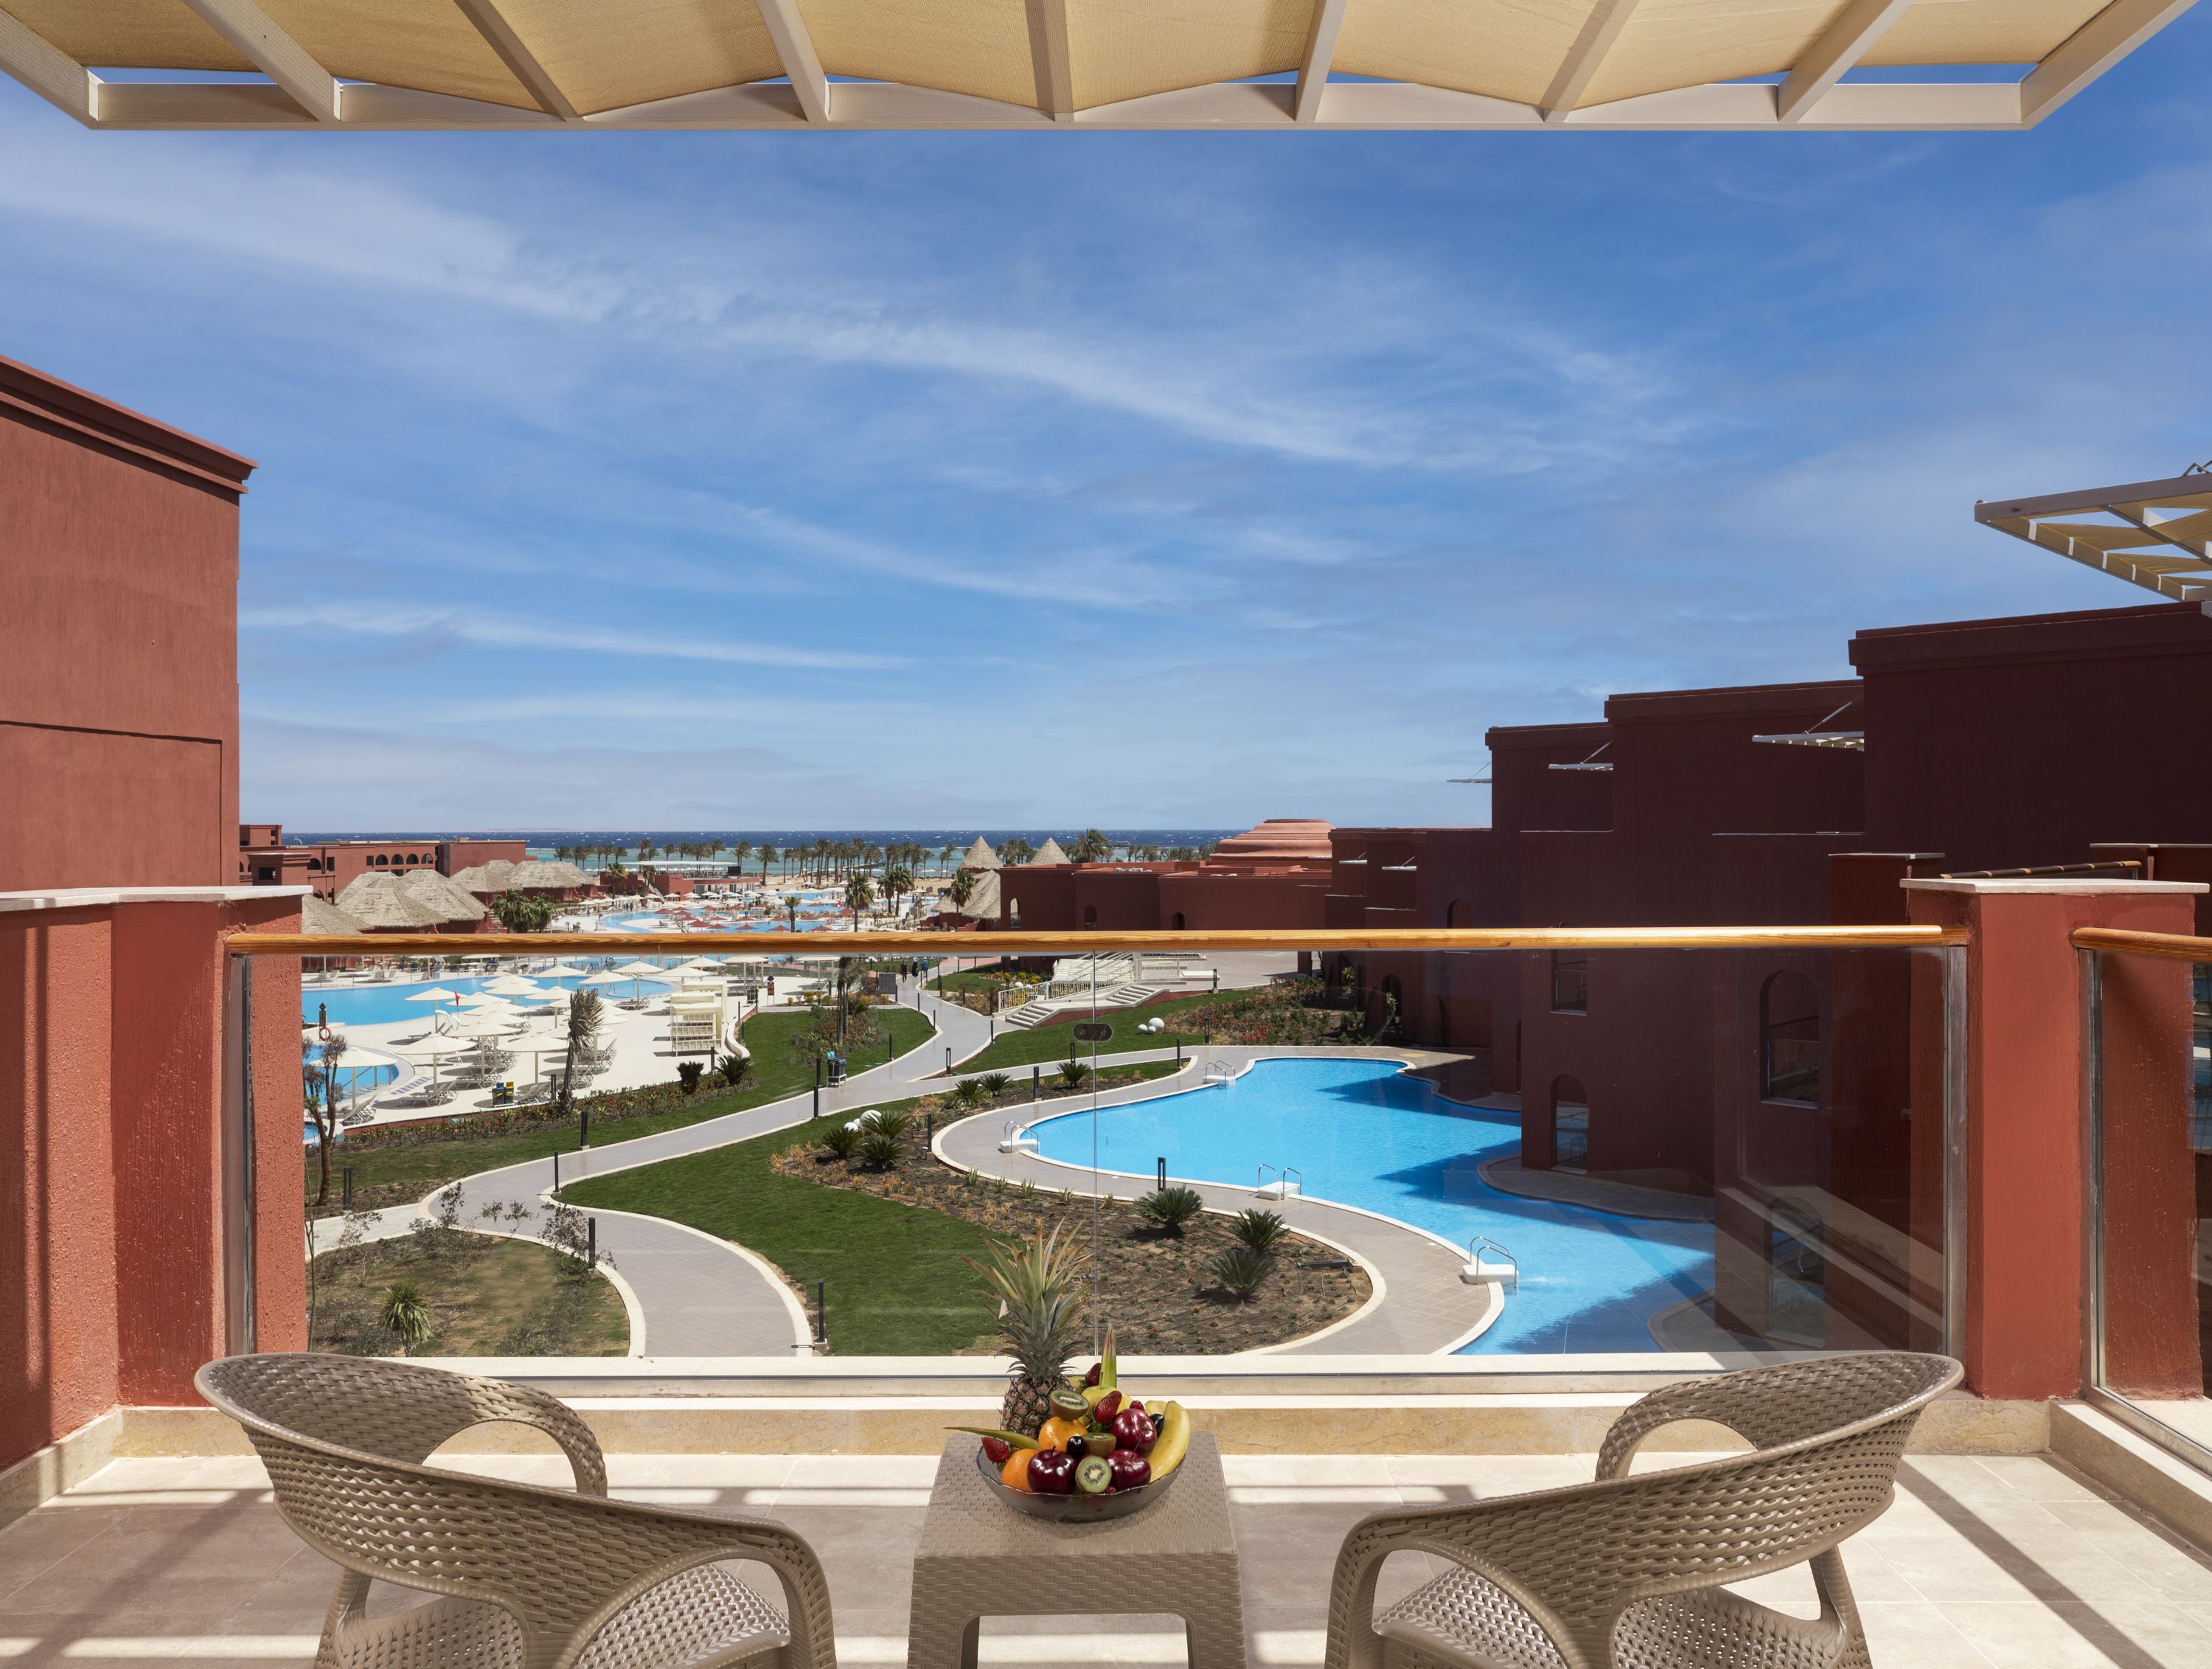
(1423, 1308)
(689, 1292)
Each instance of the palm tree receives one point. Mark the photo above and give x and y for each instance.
(962, 888)
(860, 894)
(406, 1314)
(1092, 847)
(768, 856)
(944, 857)
(585, 1014)
(791, 908)
(739, 853)
(898, 881)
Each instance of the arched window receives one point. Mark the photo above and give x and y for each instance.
(1090, 915)
(1013, 913)
(1789, 1040)
(1570, 1125)
(1178, 924)
(1459, 913)
(379, 857)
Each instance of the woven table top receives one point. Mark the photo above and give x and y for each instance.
(965, 1521)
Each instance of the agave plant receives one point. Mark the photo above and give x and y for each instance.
(1035, 1288)
(841, 1140)
(994, 1084)
(1240, 1270)
(1259, 1230)
(968, 1092)
(1073, 1072)
(880, 1152)
(891, 1123)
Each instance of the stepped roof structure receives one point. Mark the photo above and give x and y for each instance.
(531, 874)
(1047, 65)
(319, 916)
(452, 902)
(377, 900)
(1278, 840)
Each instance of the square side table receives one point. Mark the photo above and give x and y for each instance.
(979, 1558)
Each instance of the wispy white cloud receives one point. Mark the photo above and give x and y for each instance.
(509, 632)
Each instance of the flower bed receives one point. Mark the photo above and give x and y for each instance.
(1288, 1012)
(1158, 1290)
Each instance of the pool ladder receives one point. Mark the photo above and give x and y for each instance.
(1289, 1183)
(1015, 1138)
(1490, 1264)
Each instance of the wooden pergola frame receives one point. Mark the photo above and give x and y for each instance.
(300, 92)
(2170, 554)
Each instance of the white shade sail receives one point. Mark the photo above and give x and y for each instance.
(1530, 65)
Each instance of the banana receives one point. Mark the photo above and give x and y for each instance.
(1175, 1437)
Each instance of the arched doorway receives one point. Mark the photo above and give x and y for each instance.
(1789, 1040)
(1570, 1125)
(1178, 924)
(1090, 915)
(1459, 913)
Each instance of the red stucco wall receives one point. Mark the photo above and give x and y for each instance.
(119, 692)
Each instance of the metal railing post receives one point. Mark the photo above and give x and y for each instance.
(2093, 1159)
(241, 1332)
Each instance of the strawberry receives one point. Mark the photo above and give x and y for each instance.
(997, 1451)
(1108, 1406)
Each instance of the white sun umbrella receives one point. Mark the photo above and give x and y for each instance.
(484, 1000)
(435, 994)
(431, 1049)
(637, 971)
(559, 971)
(511, 984)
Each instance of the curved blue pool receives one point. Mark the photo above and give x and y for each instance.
(1365, 1133)
(374, 1005)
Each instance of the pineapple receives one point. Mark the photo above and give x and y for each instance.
(1038, 1302)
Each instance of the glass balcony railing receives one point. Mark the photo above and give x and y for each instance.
(2149, 1152)
(1340, 1145)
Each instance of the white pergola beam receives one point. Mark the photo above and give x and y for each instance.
(1845, 43)
(276, 54)
(795, 47)
(47, 70)
(1048, 51)
(499, 35)
(2093, 48)
(1321, 50)
(1225, 106)
(1600, 29)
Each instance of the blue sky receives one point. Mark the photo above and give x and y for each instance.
(1141, 480)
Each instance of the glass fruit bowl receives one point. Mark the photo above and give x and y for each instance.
(1075, 1508)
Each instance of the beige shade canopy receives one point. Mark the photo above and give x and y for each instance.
(2158, 534)
(1171, 63)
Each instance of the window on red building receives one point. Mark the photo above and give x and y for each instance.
(1569, 982)
(1790, 1040)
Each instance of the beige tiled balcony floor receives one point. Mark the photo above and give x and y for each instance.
(2016, 1563)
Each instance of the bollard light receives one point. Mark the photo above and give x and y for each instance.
(347, 1198)
(591, 1237)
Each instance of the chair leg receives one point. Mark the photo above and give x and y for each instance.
(1834, 1588)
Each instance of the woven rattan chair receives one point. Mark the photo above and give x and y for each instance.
(533, 1578)
(1626, 1572)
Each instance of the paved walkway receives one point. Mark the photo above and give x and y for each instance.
(690, 1293)
(1423, 1307)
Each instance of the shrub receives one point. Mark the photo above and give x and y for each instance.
(1073, 1072)
(994, 1084)
(892, 1123)
(1241, 1271)
(969, 1092)
(1168, 1209)
(879, 1152)
(733, 1068)
(1259, 1230)
(688, 1074)
(841, 1142)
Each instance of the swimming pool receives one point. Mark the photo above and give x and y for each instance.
(1364, 1134)
(374, 1005)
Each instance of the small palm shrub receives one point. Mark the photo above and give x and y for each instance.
(688, 1074)
(406, 1314)
(994, 1084)
(879, 1152)
(969, 1092)
(1240, 1271)
(733, 1069)
(892, 1123)
(1259, 1230)
(1073, 1072)
(841, 1142)
(1168, 1209)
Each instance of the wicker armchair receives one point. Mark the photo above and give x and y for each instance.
(1627, 1573)
(534, 1578)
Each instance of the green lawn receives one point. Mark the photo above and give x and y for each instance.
(896, 1286)
(1049, 1043)
(392, 1176)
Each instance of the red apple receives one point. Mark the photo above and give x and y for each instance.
(1134, 1432)
(1131, 1470)
(1051, 1473)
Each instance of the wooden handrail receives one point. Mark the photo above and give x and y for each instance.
(2167, 946)
(1078, 944)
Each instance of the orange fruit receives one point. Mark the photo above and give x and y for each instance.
(1055, 1433)
(1015, 1474)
